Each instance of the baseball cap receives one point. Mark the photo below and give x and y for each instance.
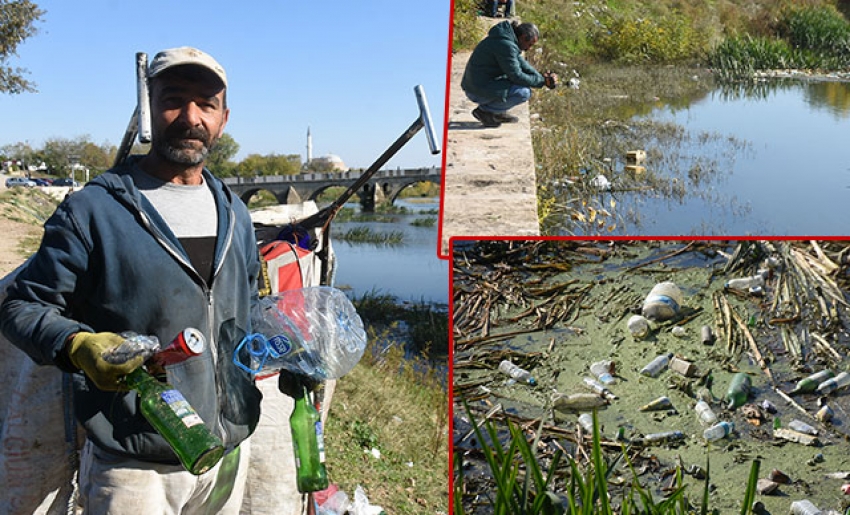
(185, 56)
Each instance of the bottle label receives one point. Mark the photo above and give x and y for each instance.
(320, 440)
(279, 346)
(178, 404)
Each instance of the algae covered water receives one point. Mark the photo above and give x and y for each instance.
(556, 307)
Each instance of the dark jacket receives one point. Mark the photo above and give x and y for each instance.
(496, 64)
(108, 262)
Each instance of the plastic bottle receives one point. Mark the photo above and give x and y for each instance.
(739, 390)
(639, 326)
(811, 383)
(586, 422)
(745, 283)
(517, 373)
(659, 404)
(313, 331)
(603, 370)
(804, 507)
(706, 335)
(179, 424)
(836, 383)
(718, 431)
(663, 302)
(577, 402)
(308, 444)
(654, 367)
(665, 437)
(802, 427)
(705, 414)
(598, 388)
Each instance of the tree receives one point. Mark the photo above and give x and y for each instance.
(219, 157)
(17, 19)
(272, 164)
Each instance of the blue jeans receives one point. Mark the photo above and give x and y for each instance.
(494, 7)
(516, 96)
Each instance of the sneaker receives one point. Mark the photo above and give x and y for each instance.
(505, 118)
(486, 118)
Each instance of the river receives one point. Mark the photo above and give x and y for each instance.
(772, 160)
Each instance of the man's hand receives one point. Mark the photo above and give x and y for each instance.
(292, 384)
(86, 351)
(550, 80)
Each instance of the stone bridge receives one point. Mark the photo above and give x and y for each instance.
(384, 186)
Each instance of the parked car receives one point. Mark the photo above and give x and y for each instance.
(20, 181)
(66, 182)
(43, 182)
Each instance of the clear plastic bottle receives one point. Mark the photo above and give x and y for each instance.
(836, 383)
(705, 414)
(802, 427)
(663, 302)
(804, 507)
(745, 283)
(718, 431)
(586, 422)
(598, 388)
(604, 371)
(312, 331)
(811, 383)
(515, 372)
(739, 390)
(657, 365)
(656, 438)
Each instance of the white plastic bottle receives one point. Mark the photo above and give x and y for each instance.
(705, 414)
(663, 302)
(804, 507)
(586, 422)
(830, 385)
(603, 370)
(654, 367)
(745, 283)
(517, 373)
(718, 431)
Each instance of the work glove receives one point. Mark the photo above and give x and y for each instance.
(292, 384)
(86, 351)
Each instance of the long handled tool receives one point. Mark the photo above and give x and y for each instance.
(140, 121)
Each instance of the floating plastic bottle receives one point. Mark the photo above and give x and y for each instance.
(657, 365)
(802, 427)
(604, 371)
(312, 331)
(659, 404)
(705, 414)
(811, 383)
(517, 373)
(804, 507)
(657, 438)
(638, 326)
(718, 431)
(739, 390)
(745, 283)
(663, 302)
(585, 420)
(577, 402)
(598, 388)
(836, 383)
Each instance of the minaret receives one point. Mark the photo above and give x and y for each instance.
(309, 146)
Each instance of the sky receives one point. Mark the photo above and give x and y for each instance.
(346, 70)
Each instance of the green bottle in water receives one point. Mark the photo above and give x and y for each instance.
(739, 390)
(174, 418)
(308, 442)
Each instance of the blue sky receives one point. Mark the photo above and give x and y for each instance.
(346, 69)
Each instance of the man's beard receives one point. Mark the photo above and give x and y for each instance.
(170, 146)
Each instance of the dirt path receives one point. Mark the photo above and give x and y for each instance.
(490, 185)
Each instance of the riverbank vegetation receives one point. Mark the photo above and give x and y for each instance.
(632, 58)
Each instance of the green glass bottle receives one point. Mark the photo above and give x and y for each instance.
(810, 383)
(308, 442)
(739, 390)
(174, 418)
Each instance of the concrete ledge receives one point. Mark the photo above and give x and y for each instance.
(489, 183)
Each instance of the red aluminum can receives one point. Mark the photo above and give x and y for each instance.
(190, 342)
